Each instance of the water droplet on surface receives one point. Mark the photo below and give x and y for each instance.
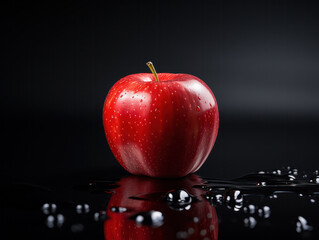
(294, 171)
(273, 196)
(121, 96)
(199, 98)
(196, 219)
(291, 177)
(151, 218)
(250, 222)
(55, 221)
(261, 184)
(215, 198)
(249, 209)
(315, 179)
(178, 199)
(197, 108)
(234, 200)
(264, 212)
(302, 225)
(179, 196)
(100, 216)
(118, 209)
(82, 208)
(49, 208)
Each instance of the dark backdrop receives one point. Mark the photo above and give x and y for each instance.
(58, 61)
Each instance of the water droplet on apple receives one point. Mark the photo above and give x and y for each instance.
(100, 216)
(197, 108)
(182, 235)
(121, 96)
(203, 232)
(141, 100)
(199, 98)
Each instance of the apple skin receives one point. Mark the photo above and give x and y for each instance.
(161, 129)
(119, 225)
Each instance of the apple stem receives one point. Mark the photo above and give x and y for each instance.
(151, 66)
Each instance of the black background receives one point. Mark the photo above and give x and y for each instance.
(59, 60)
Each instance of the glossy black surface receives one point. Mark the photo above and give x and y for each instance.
(278, 204)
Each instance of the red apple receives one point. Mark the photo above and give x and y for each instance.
(161, 125)
(200, 221)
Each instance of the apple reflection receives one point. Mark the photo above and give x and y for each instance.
(183, 218)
